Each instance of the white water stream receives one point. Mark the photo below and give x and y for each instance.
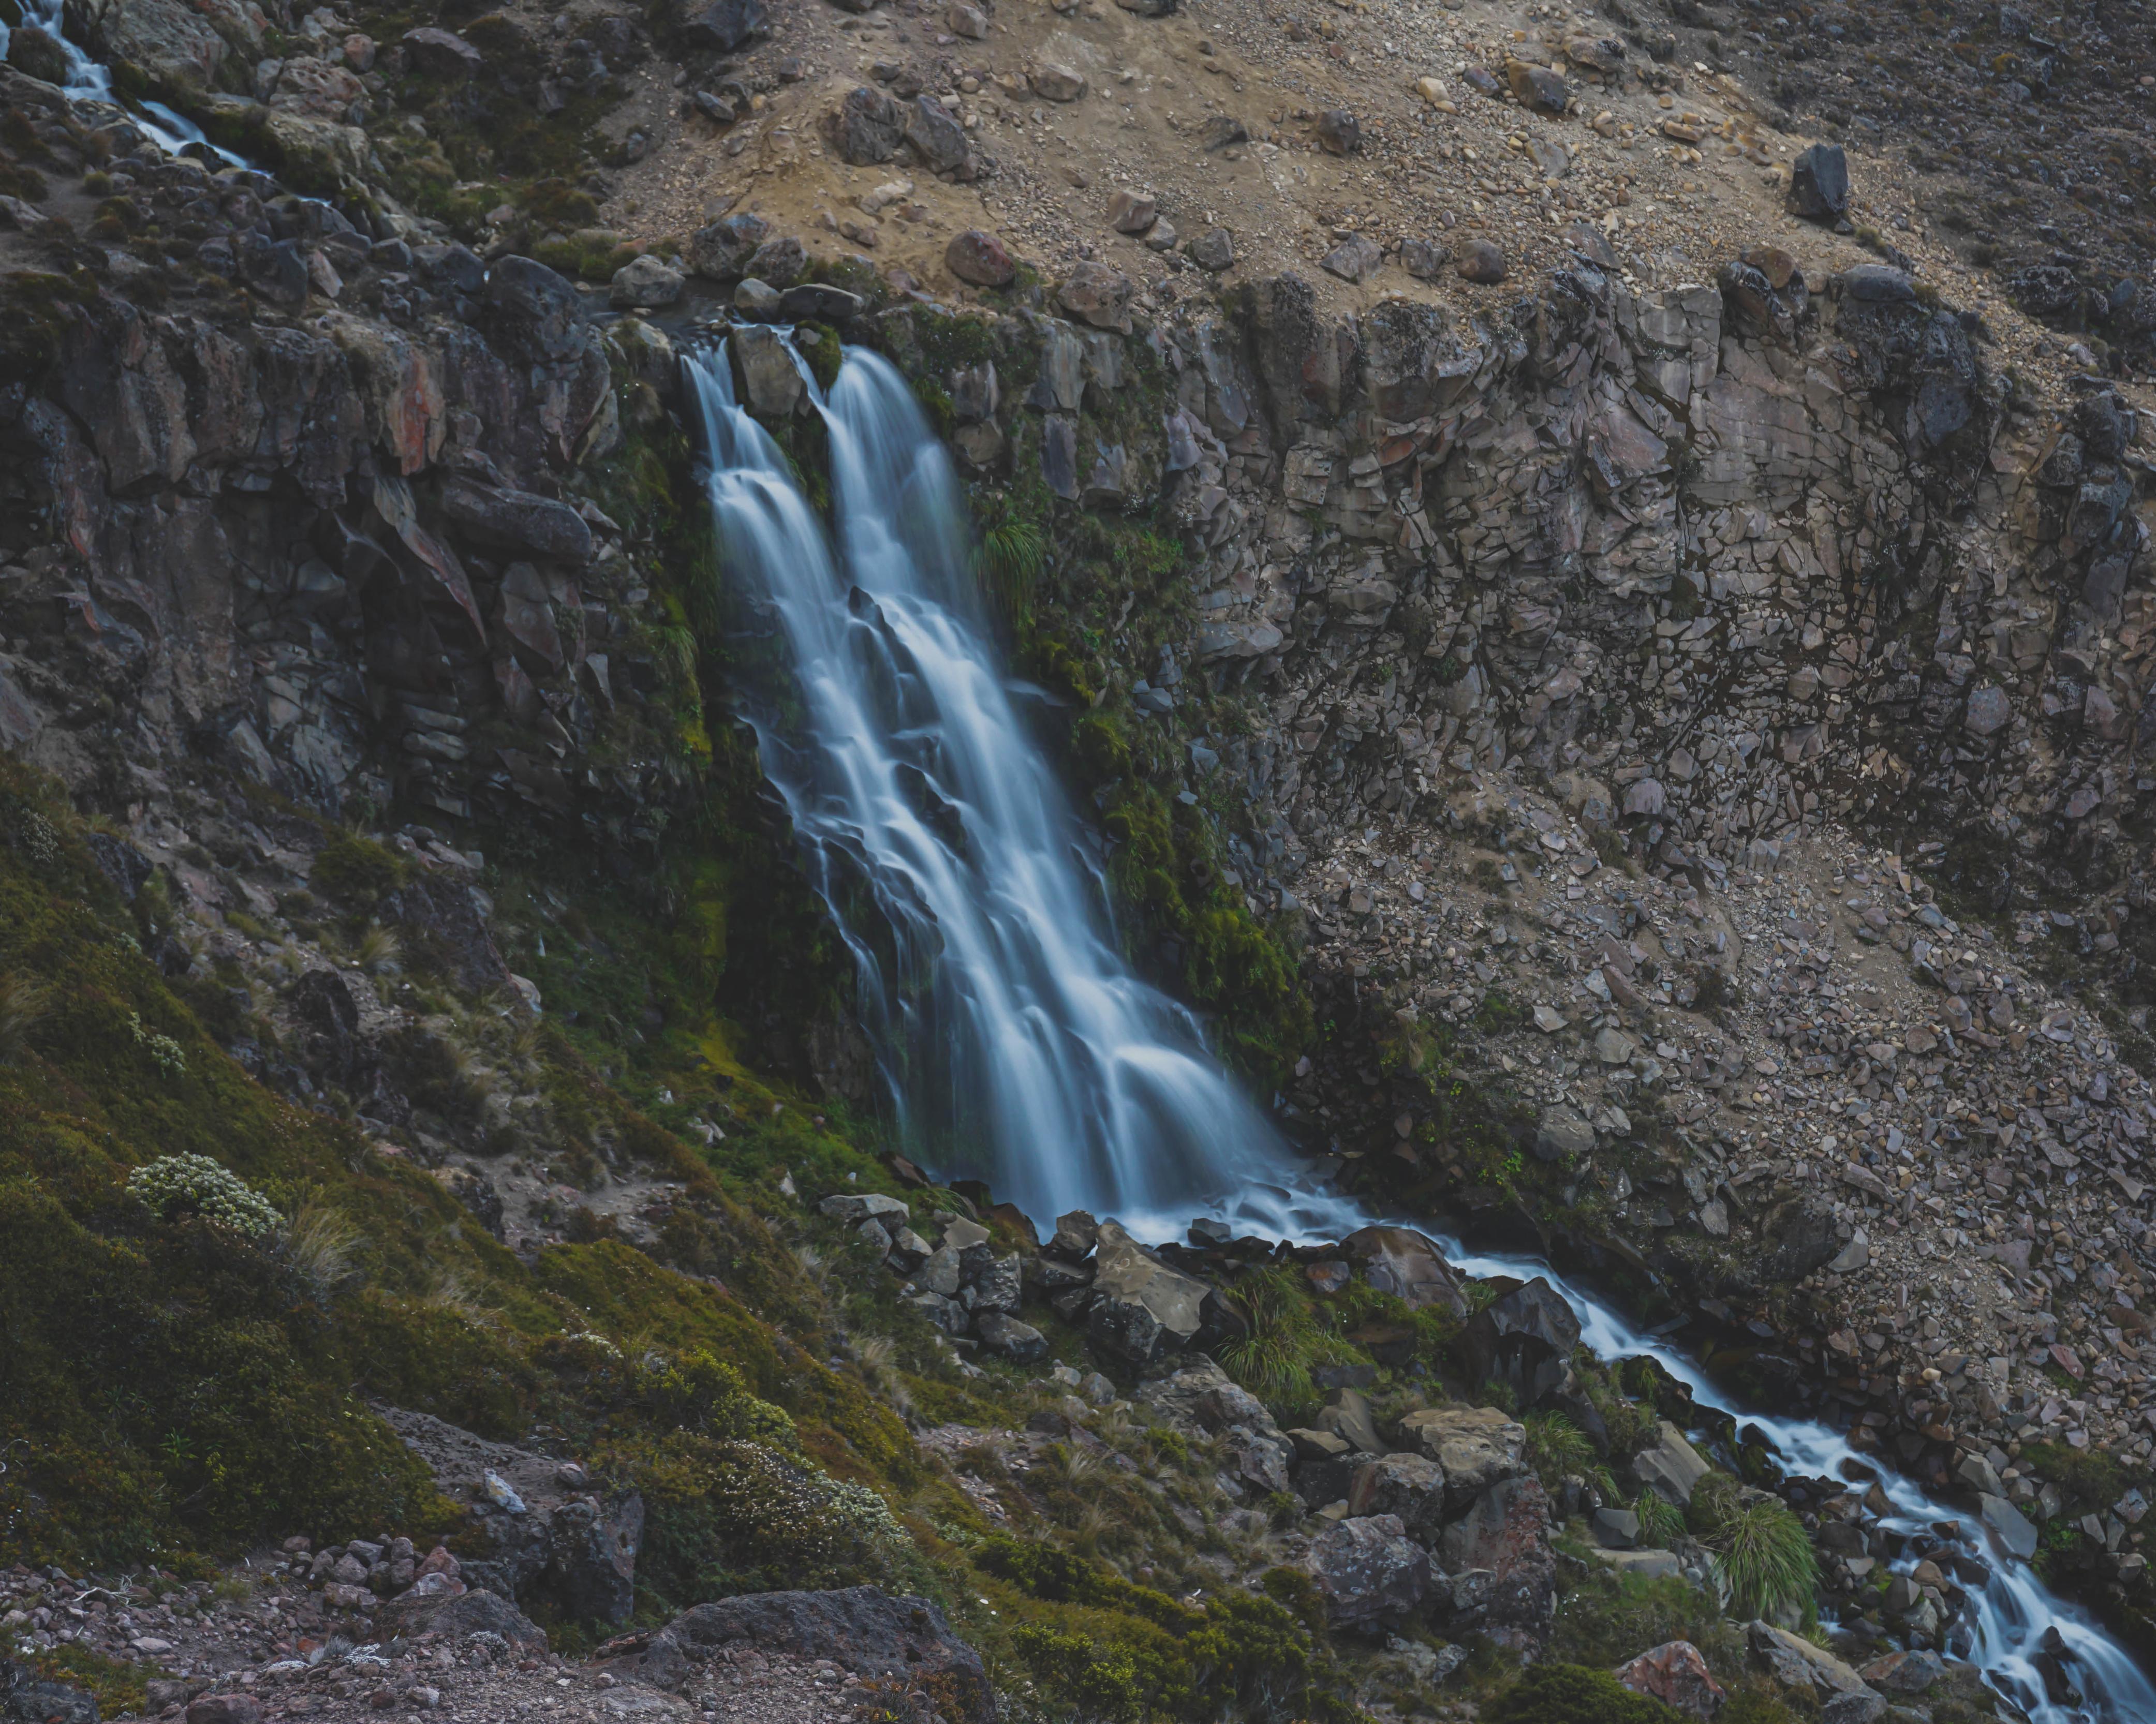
(87, 81)
(1017, 1042)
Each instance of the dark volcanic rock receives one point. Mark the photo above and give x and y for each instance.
(1819, 184)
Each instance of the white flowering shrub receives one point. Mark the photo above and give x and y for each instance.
(171, 1058)
(195, 1185)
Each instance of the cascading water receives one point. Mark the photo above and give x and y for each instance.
(87, 81)
(1015, 1040)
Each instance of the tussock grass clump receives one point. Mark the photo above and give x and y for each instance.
(1763, 1557)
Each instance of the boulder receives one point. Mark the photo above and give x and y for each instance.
(977, 256)
(819, 302)
(1675, 1674)
(1356, 259)
(868, 126)
(1507, 1531)
(779, 262)
(456, 1616)
(644, 283)
(721, 26)
(1001, 1333)
(1615, 1529)
(1095, 293)
(441, 53)
(1408, 1486)
(1481, 263)
(1142, 1307)
(721, 251)
(1819, 184)
(1074, 1236)
(1053, 83)
(1325, 1466)
(1524, 1340)
(1423, 258)
(203, 1709)
(937, 138)
(1407, 1265)
(2009, 1525)
(516, 520)
(903, 1640)
(1907, 1674)
(1476, 1447)
(1339, 132)
(38, 54)
(169, 42)
(1133, 211)
(1671, 1466)
(1347, 1414)
(1213, 249)
(1796, 1663)
(1372, 1574)
(28, 1698)
(1562, 1132)
(851, 1207)
(1537, 89)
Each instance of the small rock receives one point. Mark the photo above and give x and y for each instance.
(1481, 262)
(1056, 83)
(1423, 258)
(1160, 236)
(1339, 132)
(1356, 259)
(979, 257)
(1539, 90)
(969, 21)
(1213, 249)
(1133, 211)
(1098, 295)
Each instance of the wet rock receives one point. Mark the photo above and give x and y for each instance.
(721, 251)
(441, 53)
(1481, 263)
(2009, 1526)
(1523, 1340)
(1213, 249)
(1372, 1575)
(1356, 259)
(1819, 184)
(1407, 1265)
(819, 302)
(1074, 1236)
(1675, 1674)
(868, 127)
(977, 256)
(645, 283)
(1095, 293)
(1537, 89)
(1339, 132)
(722, 26)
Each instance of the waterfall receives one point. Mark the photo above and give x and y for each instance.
(1016, 1043)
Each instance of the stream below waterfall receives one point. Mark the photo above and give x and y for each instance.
(1002, 1013)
